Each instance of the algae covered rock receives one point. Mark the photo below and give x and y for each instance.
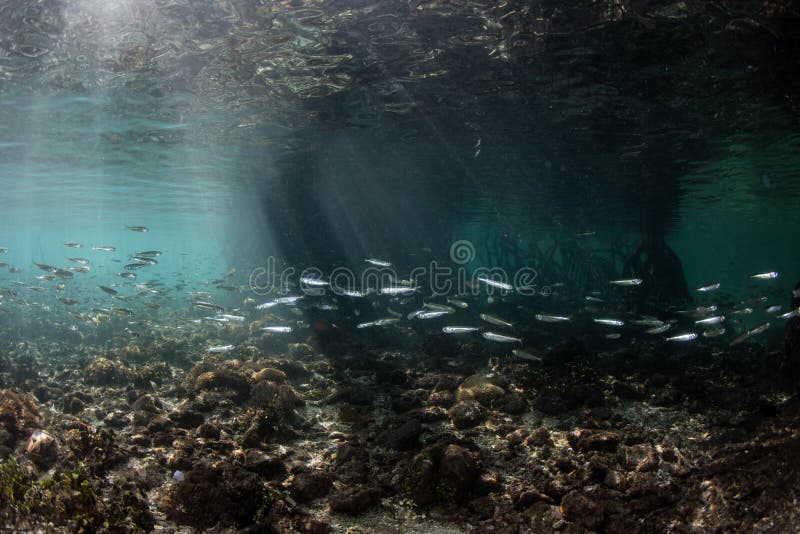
(466, 414)
(19, 417)
(103, 372)
(440, 474)
(481, 389)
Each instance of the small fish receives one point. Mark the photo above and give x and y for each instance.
(138, 228)
(711, 320)
(432, 314)
(758, 329)
(609, 322)
(500, 338)
(63, 273)
(789, 314)
(495, 283)
(683, 337)
(79, 269)
(220, 348)
(589, 298)
(613, 335)
(380, 322)
(743, 311)
(551, 318)
(108, 290)
(525, 355)
(648, 321)
(145, 259)
(439, 307)
(290, 300)
(765, 276)
(709, 287)
(73, 244)
(234, 318)
(129, 276)
(105, 249)
(82, 261)
(122, 311)
(397, 290)
(207, 305)
(744, 335)
(749, 333)
(313, 282)
(714, 332)
(705, 310)
(626, 282)
(3, 250)
(458, 303)
(378, 263)
(45, 267)
(277, 329)
(492, 319)
(658, 329)
(459, 329)
(754, 300)
(150, 253)
(353, 293)
(774, 309)
(132, 266)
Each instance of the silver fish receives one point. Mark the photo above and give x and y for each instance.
(495, 283)
(500, 338)
(711, 320)
(658, 329)
(432, 314)
(378, 263)
(551, 318)
(495, 320)
(313, 282)
(379, 322)
(774, 309)
(765, 276)
(277, 329)
(221, 348)
(648, 321)
(525, 355)
(73, 244)
(456, 302)
(626, 282)
(609, 322)
(714, 333)
(683, 337)
(709, 287)
(105, 249)
(439, 307)
(397, 290)
(459, 329)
